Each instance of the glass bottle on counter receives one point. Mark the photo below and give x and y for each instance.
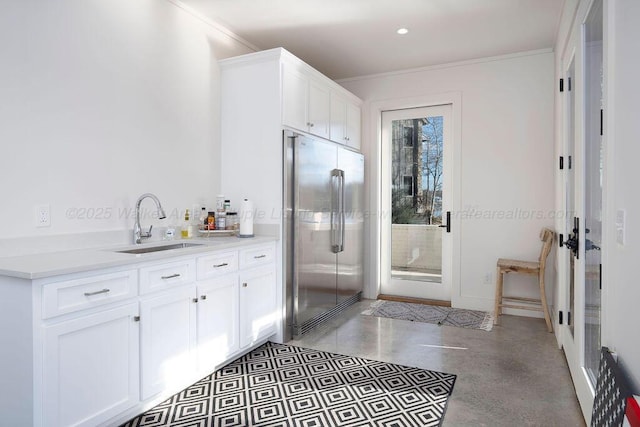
(211, 221)
(221, 221)
(186, 231)
(232, 221)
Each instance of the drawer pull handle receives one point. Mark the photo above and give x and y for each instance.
(104, 291)
(224, 264)
(170, 276)
(260, 256)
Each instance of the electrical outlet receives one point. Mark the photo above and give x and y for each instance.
(43, 216)
(488, 279)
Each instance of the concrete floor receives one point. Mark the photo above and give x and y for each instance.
(512, 376)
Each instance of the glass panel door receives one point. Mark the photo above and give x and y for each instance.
(593, 187)
(415, 140)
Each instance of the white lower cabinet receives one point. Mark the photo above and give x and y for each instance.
(167, 339)
(217, 325)
(90, 367)
(258, 304)
(110, 342)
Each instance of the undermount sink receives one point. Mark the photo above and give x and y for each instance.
(159, 248)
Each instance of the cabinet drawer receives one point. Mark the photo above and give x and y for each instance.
(167, 275)
(79, 294)
(257, 256)
(216, 264)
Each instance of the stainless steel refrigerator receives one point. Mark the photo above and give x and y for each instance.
(324, 225)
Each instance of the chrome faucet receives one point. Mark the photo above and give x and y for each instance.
(138, 234)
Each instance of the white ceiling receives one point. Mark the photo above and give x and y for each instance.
(348, 38)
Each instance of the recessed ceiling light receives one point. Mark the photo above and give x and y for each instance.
(402, 31)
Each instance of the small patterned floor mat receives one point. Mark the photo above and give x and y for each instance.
(447, 316)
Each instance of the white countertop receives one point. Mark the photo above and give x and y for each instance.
(38, 266)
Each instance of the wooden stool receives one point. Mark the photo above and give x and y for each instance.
(526, 267)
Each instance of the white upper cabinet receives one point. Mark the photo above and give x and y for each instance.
(345, 121)
(305, 103)
(353, 125)
(295, 102)
(271, 82)
(319, 109)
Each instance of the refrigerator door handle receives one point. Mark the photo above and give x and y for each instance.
(342, 213)
(335, 210)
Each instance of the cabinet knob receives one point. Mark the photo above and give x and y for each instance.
(244, 285)
(310, 124)
(203, 297)
(136, 318)
(195, 300)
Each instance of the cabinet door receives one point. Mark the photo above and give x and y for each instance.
(338, 131)
(167, 337)
(319, 109)
(258, 305)
(218, 330)
(294, 99)
(353, 126)
(90, 367)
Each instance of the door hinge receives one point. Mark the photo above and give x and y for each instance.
(569, 163)
(561, 85)
(600, 277)
(560, 240)
(601, 122)
(561, 162)
(568, 318)
(560, 317)
(569, 84)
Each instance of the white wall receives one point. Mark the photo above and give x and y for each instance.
(101, 101)
(507, 160)
(621, 286)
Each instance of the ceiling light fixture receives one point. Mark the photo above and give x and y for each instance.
(402, 31)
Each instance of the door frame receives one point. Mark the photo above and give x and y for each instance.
(574, 351)
(402, 287)
(377, 214)
(573, 343)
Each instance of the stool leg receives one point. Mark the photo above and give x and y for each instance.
(498, 301)
(543, 299)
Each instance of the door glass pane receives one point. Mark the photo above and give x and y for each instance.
(593, 187)
(570, 191)
(416, 198)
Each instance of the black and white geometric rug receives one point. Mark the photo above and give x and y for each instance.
(471, 319)
(282, 385)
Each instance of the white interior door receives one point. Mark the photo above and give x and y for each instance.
(583, 148)
(416, 235)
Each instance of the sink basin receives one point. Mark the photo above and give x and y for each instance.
(159, 248)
